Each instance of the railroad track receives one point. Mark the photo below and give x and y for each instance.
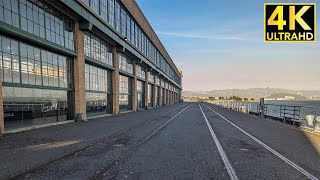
(106, 169)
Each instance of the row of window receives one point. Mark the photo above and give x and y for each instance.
(97, 49)
(98, 79)
(40, 19)
(117, 16)
(25, 64)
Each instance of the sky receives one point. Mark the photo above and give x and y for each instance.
(219, 45)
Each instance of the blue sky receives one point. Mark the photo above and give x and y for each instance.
(219, 45)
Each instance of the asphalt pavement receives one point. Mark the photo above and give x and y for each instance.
(183, 141)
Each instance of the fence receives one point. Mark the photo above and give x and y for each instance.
(292, 114)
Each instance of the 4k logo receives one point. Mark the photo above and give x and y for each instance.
(293, 22)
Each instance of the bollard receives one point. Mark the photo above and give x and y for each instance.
(317, 124)
(309, 120)
(244, 109)
(79, 117)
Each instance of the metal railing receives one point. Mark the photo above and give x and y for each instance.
(291, 114)
(286, 113)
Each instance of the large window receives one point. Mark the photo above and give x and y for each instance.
(140, 95)
(9, 12)
(128, 28)
(97, 104)
(136, 35)
(98, 91)
(104, 10)
(40, 19)
(38, 67)
(117, 16)
(157, 80)
(29, 106)
(54, 70)
(10, 60)
(161, 83)
(141, 73)
(111, 12)
(132, 38)
(150, 95)
(125, 91)
(36, 85)
(97, 49)
(98, 79)
(123, 22)
(125, 63)
(94, 4)
(150, 77)
(139, 39)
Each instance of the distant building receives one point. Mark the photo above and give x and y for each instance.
(270, 99)
(289, 98)
(280, 99)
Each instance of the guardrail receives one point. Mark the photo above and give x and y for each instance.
(292, 114)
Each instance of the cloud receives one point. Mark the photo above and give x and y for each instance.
(200, 36)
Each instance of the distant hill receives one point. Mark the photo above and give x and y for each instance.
(255, 93)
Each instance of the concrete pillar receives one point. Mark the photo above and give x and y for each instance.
(154, 92)
(170, 92)
(134, 87)
(160, 94)
(177, 98)
(166, 96)
(170, 97)
(115, 82)
(177, 94)
(79, 74)
(146, 89)
(173, 100)
(1, 107)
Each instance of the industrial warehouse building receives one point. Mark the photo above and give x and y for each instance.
(63, 58)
